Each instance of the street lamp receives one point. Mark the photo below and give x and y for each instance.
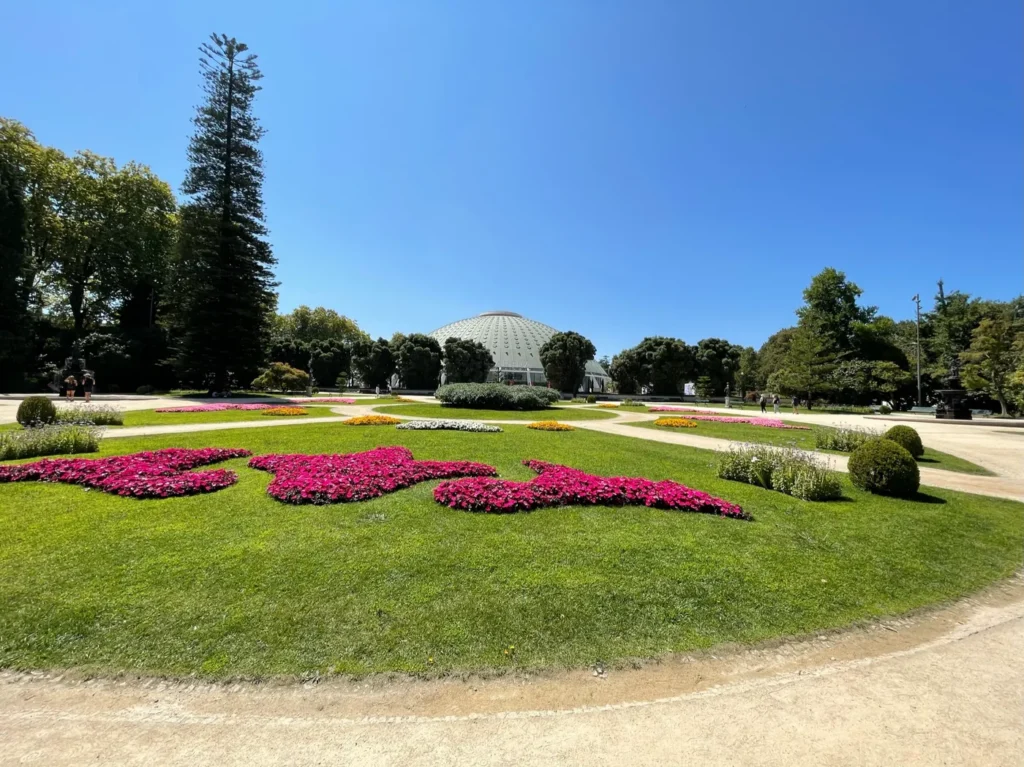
(917, 299)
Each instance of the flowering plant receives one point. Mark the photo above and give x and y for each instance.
(562, 486)
(284, 411)
(677, 423)
(324, 400)
(159, 474)
(322, 479)
(707, 415)
(214, 407)
(372, 420)
(550, 426)
(784, 470)
(608, 405)
(448, 423)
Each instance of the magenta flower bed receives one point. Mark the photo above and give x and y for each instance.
(698, 415)
(160, 474)
(563, 486)
(322, 479)
(214, 407)
(336, 400)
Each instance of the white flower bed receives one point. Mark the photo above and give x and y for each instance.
(448, 423)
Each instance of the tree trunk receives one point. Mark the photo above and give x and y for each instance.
(1002, 403)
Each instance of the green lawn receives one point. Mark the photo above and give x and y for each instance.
(152, 418)
(741, 432)
(546, 414)
(236, 584)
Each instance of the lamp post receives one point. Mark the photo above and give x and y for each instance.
(917, 300)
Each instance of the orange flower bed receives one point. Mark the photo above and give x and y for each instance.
(284, 411)
(608, 404)
(372, 420)
(677, 423)
(550, 426)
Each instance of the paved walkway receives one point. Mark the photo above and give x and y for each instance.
(944, 689)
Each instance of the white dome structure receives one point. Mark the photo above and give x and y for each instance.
(514, 342)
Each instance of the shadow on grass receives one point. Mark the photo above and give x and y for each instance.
(920, 497)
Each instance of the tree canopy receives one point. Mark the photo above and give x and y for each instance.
(373, 362)
(418, 361)
(466, 361)
(565, 357)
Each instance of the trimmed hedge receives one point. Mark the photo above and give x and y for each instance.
(495, 396)
(36, 411)
(907, 438)
(883, 467)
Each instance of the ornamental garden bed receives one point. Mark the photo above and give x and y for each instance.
(231, 582)
(154, 418)
(799, 438)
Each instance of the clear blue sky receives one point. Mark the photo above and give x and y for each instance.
(618, 168)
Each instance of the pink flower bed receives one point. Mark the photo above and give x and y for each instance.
(699, 415)
(562, 486)
(324, 479)
(160, 474)
(336, 400)
(214, 407)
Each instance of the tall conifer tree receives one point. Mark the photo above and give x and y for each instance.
(223, 299)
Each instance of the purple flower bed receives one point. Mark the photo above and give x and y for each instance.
(563, 486)
(322, 479)
(705, 415)
(159, 474)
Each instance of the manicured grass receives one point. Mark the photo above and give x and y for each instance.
(546, 414)
(236, 584)
(152, 418)
(741, 432)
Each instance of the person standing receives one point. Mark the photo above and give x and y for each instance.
(763, 401)
(376, 392)
(88, 382)
(72, 384)
(775, 404)
(796, 405)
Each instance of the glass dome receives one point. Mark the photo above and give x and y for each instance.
(514, 342)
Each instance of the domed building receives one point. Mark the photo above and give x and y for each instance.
(514, 342)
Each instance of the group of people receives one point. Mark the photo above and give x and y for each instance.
(71, 385)
(776, 403)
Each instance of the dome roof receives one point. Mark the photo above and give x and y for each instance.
(513, 340)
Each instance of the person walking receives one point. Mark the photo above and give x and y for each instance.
(763, 401)
(72, 384)
(88, 383)
(775, 404)
(796, 405)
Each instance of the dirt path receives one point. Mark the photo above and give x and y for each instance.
(945, 688)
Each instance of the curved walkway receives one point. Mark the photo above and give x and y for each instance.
(945, 688)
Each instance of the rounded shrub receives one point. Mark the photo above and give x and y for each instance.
(907, 438)
(36, 411)
(494, 396)
(883, 467)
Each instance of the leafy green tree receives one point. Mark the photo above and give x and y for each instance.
(952, 321)
(704, 387)
(746, 371)
(668, 363)
(15, 320)
(717, 360)
(772, 355)
(991, 359)
(466, 361)
(223, 298)
(318, 324)
(373, 362)
(281, 377)
(831, 312)
(627, 371)
(418, 361)
(806, 368)
(565, 357)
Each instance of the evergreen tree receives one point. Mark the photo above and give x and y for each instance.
(373, 362)
(565, 357)
(223, 294)
(466, 361)
(418, 361)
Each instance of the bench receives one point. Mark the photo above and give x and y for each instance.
(927, 410)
